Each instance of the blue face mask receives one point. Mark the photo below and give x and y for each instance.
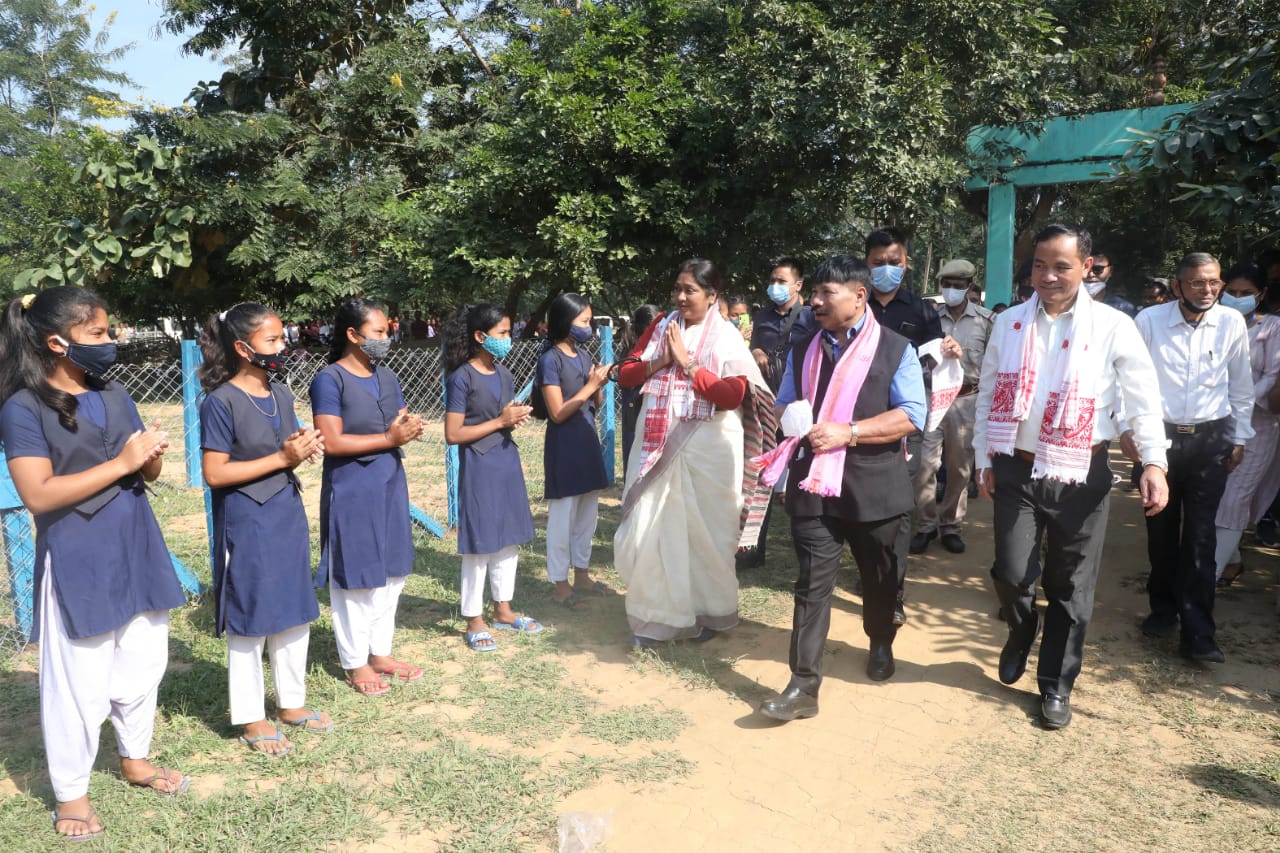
(1246, 305)
(779, 294)
(581, 334)
(886, 278)
(499, 348)
(94, 359)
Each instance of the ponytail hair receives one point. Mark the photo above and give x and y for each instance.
(352, 314)
(25, 358)
(459, 332)
(218, 341)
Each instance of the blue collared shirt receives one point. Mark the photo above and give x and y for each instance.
(906, 390)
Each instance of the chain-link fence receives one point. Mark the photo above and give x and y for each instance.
(155, 379)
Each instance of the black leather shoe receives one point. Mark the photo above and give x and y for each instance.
(1158, 626)
(920, 542)
(880, 666)
(1202, 649)
(1055, 710)
(899, 613)
(953, 543)
(748, 558)
(792, 704)
(1013, 657)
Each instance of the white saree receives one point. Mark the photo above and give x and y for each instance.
(681, 519)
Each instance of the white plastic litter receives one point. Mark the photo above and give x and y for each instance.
(582, 831)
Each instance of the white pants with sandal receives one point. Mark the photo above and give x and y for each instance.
(501, 567)
(82, 682)
(364, 621)
(287, 651)
(571, 523)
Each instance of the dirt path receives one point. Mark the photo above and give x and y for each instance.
(921, 760)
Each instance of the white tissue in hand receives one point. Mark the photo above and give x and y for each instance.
(797, 419)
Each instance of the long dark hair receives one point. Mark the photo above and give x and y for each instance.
(218, 341)
(704, 273)
(25, 358)
(561, 313)
(459, 331)
(641, 319)
(352, 314)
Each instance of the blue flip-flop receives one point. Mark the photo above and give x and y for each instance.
(252, 743)
(312, 716)
(475, 638)
(524, 625)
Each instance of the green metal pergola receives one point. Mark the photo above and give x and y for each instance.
(1070, 150)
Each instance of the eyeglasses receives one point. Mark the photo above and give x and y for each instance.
(1204, 283)
(1101, 267)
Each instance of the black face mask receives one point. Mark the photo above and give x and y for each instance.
(270, 362)
(94, 359)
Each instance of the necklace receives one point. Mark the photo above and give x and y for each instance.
(275, 405)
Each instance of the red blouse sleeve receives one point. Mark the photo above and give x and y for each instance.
(631, 374)
(725, 393)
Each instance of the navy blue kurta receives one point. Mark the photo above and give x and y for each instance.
(365, 537)
(571, 454)
(493, 503)
(261, 545)
(107, 554)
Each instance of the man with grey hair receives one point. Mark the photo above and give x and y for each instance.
(1201, 352)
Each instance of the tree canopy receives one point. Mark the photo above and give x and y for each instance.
(428, 153)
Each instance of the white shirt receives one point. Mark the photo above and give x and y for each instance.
(1204, 370)
(1126, 396)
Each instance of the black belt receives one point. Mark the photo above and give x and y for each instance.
(1175, 430)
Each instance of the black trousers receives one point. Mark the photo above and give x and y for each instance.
(1074, 517)
(880, 550)
(1181, 539)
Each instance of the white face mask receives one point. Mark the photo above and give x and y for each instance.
(1095, 287)
(954, 296)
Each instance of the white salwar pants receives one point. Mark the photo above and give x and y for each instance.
(82, 682)
(287, 650)
(364, 621)
(571, 523)
(501, 567)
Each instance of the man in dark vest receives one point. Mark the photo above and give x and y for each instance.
(861, 387)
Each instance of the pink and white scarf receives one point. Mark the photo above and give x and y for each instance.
(1064, 448)
(826, 474)
(672, 389)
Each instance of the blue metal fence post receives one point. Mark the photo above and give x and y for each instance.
(608, 421)
(19, 548)
(191, 361)
(451, 450)
(192, 358)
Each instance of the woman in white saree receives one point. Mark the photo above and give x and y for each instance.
(706, 409)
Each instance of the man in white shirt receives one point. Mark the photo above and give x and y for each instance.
(1058, 370)
(1201, 351)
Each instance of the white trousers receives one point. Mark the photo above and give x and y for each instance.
(364, 621)
(501, 566)
(1227, 550)
(287, 650)
(571, 523)
(82, 682)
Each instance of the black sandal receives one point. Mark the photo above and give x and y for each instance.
(570, 603)
(1229, 577)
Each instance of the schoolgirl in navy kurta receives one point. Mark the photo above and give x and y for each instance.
(365, 536)
(571, 452)
(107, 554)
(493, 503)
(261, 544)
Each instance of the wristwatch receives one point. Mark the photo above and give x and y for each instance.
(853, 433)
